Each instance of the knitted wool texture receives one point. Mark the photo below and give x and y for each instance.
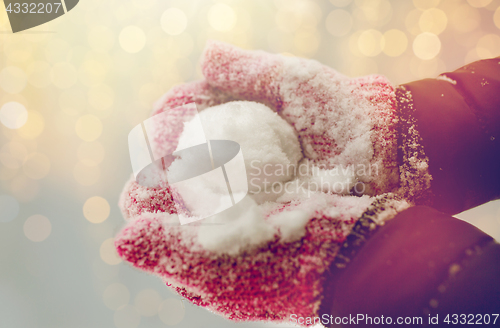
(329, 112)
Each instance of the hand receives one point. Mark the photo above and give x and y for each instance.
(339, 121)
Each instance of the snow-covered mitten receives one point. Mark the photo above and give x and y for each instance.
(268, 257)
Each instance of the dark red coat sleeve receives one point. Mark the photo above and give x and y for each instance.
(421, 263)
(425, 262)
(458, 119)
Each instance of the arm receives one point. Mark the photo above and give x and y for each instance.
(456, 120)
(330, 112)
(419, 263)
(424, 261)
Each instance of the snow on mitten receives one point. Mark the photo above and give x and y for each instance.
(267, 257)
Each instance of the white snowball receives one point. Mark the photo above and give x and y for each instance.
(273, 157)
(269, 144)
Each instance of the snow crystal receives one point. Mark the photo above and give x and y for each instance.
(447, 79)
(235, 229)
(268, 142)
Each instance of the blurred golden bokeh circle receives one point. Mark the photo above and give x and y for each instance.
(426, 46)
(108, 253)
(173, 21)
(371, 42)
(464, 18)
(96, 209)
(479, 3)
(496, 17)
(433, 20)
(171, 311)
(13, 115)
(488, 46)
(221, 17)
(375, 12)
(412, 21)
(37, 228)
(132, 39)
(339, 22)
(395, 42)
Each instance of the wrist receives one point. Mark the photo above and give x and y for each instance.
(449, 129)
(400, 268)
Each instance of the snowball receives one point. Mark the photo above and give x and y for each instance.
(277, 175)
(269, 144)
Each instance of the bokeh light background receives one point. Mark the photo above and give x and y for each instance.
(72, 89)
